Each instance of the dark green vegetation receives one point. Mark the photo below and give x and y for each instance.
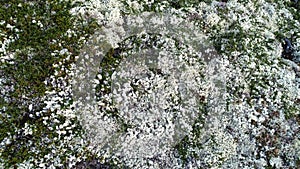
(39, 30)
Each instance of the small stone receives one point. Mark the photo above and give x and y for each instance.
(287, 49)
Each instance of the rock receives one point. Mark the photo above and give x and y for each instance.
(288, 49)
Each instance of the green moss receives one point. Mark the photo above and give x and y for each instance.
(189, 142)
(34, 47)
